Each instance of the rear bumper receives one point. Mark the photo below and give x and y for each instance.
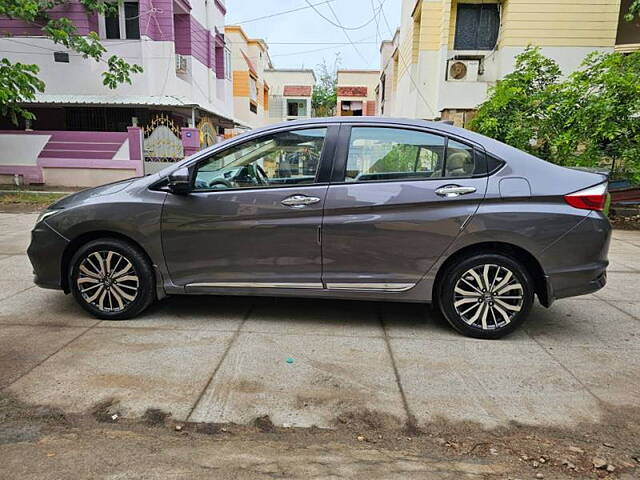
(577, 263)
(45, 254)
(576, 282)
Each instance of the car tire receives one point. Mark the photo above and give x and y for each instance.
(112, 279)
(486, 296)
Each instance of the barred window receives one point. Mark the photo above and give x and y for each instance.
(477, 26)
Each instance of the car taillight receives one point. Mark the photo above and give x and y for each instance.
(592, 198)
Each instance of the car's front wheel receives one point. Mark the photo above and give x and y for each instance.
(486, 296)
(111, 279)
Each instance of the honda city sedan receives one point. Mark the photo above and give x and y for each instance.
(352, 208)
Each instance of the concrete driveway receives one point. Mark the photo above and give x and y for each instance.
(304, 362)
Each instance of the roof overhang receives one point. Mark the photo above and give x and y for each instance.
(167, 101)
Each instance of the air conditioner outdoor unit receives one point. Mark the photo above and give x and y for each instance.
(462, 70)
(181, 63)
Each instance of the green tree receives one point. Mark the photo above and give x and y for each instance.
(514, 110)
(323, 98)
(634, 11)
(20, 82)
(598, 106)
(401, 158)
(591, 118)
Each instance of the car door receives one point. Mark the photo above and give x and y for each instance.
(253, 217)
(398, 198)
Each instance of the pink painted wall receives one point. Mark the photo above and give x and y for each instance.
(156, 19)
(192, 38)
(182, 25)
(200, 42)
(70, 149)
(84, 21)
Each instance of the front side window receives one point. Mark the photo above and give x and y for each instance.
(476, 26)
(380, 153)
(284, 158)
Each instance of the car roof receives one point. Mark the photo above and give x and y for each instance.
(442, 127)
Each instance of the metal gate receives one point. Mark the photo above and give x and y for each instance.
(162, 143)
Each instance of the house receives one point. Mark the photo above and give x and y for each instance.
(182, 101)
(249, 60)
(356, 92)
(449, 52)
(290, 93)
(386, 89)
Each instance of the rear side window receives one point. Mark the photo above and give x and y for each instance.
(461, 161)
(387, 153)
(380, 153)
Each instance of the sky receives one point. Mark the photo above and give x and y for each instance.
(303, 39)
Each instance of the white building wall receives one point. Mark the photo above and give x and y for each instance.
(84, 76)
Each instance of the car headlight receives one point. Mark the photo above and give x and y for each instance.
(47, 214)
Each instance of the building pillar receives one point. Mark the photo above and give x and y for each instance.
(136, 148)
(190, 140)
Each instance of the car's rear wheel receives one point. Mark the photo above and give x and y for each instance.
(111, 279)
(486, 296)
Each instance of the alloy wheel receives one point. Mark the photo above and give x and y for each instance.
(488, 296)
(108, 281)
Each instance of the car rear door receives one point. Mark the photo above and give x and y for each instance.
(398, 199)
(237, 229)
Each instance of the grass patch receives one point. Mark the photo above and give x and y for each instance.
(30, 198)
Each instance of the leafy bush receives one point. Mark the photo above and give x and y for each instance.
(591, 118)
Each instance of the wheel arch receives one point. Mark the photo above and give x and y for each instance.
(74, 245)
(516, 252)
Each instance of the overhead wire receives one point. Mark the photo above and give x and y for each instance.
(284, 12)
(339, 25)
(346, 34)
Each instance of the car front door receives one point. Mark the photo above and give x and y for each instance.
(398, 199)
(253, 217)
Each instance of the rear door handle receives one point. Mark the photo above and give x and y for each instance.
(299, 201)
(454, 191)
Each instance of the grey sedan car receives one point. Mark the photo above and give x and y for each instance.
(355, 208)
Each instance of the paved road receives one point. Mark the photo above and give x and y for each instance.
(225, 359)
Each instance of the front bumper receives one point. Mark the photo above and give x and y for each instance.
(45, 254)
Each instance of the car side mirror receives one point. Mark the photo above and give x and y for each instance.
(180, 181)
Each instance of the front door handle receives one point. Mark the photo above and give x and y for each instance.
(450, 191)
(299, 201)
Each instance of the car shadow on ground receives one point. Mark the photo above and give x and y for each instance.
(397, 319)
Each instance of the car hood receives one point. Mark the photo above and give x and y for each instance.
(85, 195)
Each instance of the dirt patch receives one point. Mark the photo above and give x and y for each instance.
(155, 417)
(264, 424)
(364, 443)
(106, 411)
(207, 428)
(366, 420)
